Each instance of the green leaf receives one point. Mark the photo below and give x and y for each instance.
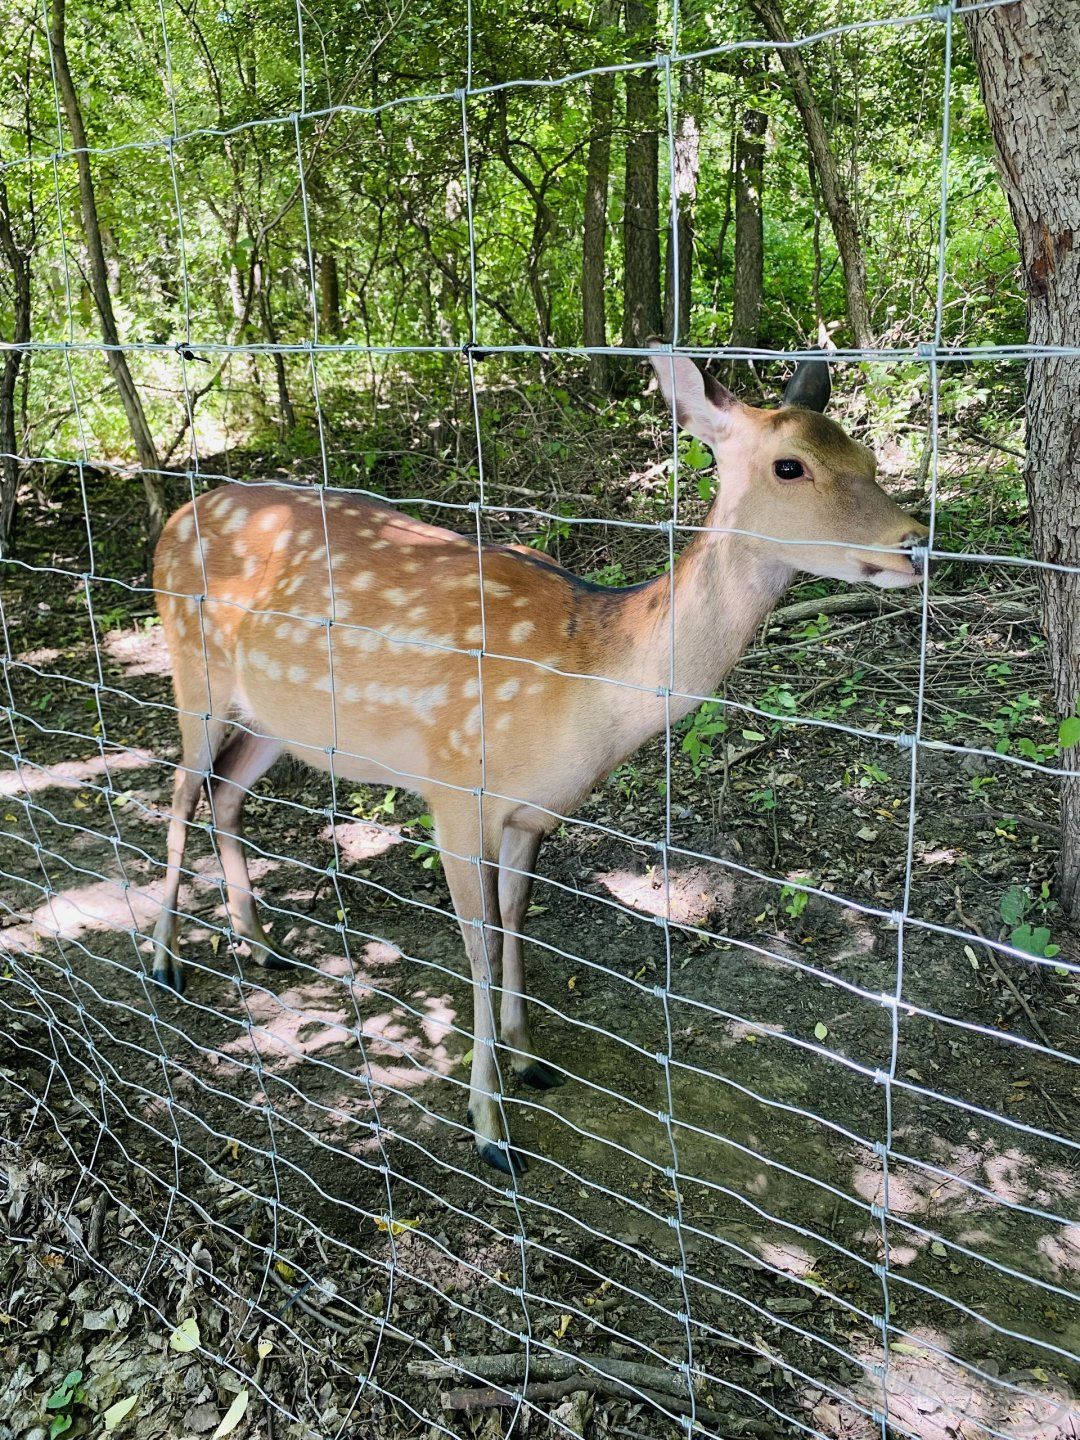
(61, 1396)
(820, 1030)
(115, 1413)
(1069, 732)
(59, 1425)
(1014, 905)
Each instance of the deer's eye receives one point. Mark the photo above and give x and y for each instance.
(789, 470)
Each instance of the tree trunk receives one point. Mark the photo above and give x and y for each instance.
(329, 296)
(99, 282)
(287, 420)
(641, 205)
(687, 149)
(841, 213)
(748, 288)
(1028, 58)
(19, 265)
(594, 239)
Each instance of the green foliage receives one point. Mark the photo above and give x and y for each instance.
(699, 730)
(384, 217)
(426, 852)
(793, 900)
(63, 1401)
(1018, 910)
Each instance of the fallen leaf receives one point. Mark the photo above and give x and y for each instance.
(395, 1227)
(115, 1413)
(235, 1413)
(820, 1030)
(185, 1337)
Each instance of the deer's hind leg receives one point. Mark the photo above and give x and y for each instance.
(517, 870)
(201, 740)
(243, 761)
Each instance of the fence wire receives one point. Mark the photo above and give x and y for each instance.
(309, 1184)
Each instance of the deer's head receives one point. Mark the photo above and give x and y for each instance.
(793, 480)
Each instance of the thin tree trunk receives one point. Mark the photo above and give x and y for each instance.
(285, 405)
(99, 281)
(19, 265)
(594, 239)
(748, 287)
(329, 295)
(687, 151)
(1028, 58)
(838, 204)
(641, 206)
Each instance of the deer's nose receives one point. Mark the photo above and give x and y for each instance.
(914, 542)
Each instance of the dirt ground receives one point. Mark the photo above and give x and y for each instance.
(735, 1187)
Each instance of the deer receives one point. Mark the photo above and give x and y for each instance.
(486, 678)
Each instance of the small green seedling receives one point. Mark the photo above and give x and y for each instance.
(1016, 907)
(426, 852)
(794, 901)
(62, 1402)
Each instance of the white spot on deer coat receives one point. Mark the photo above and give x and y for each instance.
(521, 630)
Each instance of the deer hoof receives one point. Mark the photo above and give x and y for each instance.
(168, 972)
(271, 960)
(541, 1076)
(503, 1158)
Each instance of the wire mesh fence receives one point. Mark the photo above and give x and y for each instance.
(795, 1182)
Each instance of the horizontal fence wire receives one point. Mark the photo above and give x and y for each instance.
(173, 1086)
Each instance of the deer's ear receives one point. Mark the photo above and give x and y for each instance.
(810, 386)
(698, 402)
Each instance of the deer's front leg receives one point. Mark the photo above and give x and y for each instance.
(474, 889)
(517, 870)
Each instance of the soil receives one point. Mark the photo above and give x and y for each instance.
(821, 1154)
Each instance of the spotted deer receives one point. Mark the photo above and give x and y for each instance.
(397, 652)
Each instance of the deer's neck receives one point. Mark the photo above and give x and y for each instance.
(721, 591)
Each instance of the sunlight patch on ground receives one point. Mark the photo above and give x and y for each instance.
(932, 1396)
(70, 774)
(140, 652)
(695, 893)
(358, 840)
(786, 1255)
(110, 905)
(321, 1014)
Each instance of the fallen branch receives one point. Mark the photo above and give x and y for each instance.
(862, 603)
(545, 1368)
(728, 1427)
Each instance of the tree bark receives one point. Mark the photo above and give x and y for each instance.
(287, 414)
(99, 282)
(594, 239)
(19, 264)
(748, 287)
(641, 205)
(1028, 59)
(687, 151)
(842, 218)
(329, 295)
